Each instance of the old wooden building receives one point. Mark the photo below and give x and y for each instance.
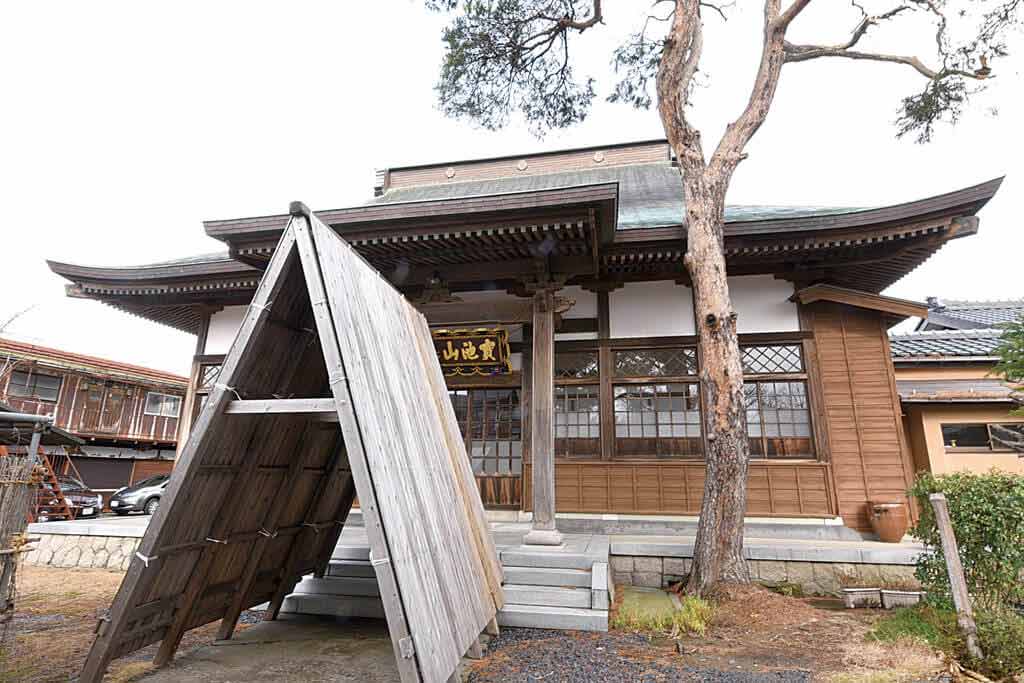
(555, 286)
(126, 415)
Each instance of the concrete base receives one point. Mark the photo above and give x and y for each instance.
(546, 537)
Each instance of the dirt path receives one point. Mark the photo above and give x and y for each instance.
(53, 627)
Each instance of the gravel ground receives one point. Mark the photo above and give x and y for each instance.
(524, 655)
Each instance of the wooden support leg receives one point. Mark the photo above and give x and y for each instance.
(491, 628)
(475, 651)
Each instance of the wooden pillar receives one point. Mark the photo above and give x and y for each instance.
(542, 430)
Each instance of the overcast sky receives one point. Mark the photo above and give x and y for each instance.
(125, 124)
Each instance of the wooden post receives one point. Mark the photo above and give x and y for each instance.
(957, 583)
(542, 429)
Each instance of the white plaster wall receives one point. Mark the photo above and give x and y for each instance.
(650, 309)
(224, 326)
(586, 302)
(762, 304)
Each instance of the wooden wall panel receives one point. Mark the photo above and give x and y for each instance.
(869, 456)
(676, 488)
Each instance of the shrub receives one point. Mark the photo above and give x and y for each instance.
(987, 512)
(1001, 638)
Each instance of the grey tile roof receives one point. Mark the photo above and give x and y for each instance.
(650, 195)
(953, 390)
(936, 344)
(964, 315)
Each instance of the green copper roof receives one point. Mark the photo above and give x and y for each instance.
(650, 195)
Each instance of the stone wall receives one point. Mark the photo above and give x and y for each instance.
(97, 552)
(815, 578)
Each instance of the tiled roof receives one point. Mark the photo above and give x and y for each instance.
(953, 391)
(936, 344)
(650, 194)
(77, 361)
(963, 315)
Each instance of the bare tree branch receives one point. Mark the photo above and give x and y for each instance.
(679, 61)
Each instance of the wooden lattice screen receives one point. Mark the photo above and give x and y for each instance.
(264, 484)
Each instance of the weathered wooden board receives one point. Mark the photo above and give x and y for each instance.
(323, 324)
(432, 539)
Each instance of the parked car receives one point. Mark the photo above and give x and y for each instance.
(143, 496)
(83, 501)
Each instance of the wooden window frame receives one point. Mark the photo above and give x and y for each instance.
(31, 375)
(145, 404)
(467, 435)
(595, 381)
(606, 347)
(977, 449)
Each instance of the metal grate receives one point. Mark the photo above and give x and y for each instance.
(772, 359)
(656, 362)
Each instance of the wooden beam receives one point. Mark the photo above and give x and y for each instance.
(900, 308)
(320, 408)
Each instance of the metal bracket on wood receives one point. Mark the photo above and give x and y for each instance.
(406, 647)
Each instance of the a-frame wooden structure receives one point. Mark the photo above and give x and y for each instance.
(330, 391)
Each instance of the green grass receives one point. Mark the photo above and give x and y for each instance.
(693, 617)
(923, 623)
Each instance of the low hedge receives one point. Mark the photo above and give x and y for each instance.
(987, 512)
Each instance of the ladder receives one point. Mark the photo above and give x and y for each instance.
(50, 501)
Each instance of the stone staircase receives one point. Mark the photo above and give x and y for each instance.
(558, 588)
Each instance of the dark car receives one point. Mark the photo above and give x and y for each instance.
(83, 501)
(143, 496)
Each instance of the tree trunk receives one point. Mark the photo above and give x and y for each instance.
(718, 550)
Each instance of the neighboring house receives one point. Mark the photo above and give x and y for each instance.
(126, 415)
(593, 237)
(951, 397)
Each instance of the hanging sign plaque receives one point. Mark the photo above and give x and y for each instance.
(479, 351)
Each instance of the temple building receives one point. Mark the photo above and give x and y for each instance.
(555, 287)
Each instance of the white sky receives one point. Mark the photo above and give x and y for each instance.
(125, 124)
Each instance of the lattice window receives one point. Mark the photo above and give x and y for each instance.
(491, 422)
(576, 365)
(778, 419)
(655, 362)
(577, 421)
(208, 375)
(657, 420)
(784, 358)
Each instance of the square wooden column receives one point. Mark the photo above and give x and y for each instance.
(542, 423)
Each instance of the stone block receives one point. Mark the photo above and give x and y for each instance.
(647, 565)
(646, 579)
(86, 556)
(802, 574)
(622, 578)
(677, 566)
(826, 578)
(771, 571)
(621, 563)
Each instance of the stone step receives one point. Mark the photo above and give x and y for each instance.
(339, 585)
(358, 568)
(550, 596)
(334, 605)
(560, 618)
(547, 576)
(550, 559)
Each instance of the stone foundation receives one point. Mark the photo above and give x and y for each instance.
(96, 552)
(815, 578)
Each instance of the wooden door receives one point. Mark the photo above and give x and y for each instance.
(491, 423)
